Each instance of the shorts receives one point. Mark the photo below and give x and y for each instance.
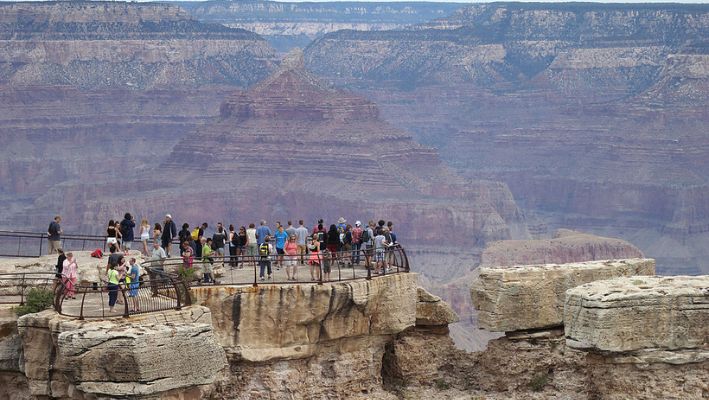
(301, 249)
(291, 260)
(380, 255)
(111, 240)
(280, 251)
(54, 245)
(326, 267)
(144, 236)
(127, 244)
(332, 248)
(134, 289)
(251, 249)
(220, 251)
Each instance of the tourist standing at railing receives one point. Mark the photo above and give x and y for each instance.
(333, 242)
(281, 236)
(184, 235)
(380, 244)
(187, 255)
(291, 250)
(251, 242)
(207, 260)
(231, 243)
(126, 228)
(112, 233)
(133, 281)
(368, 243)
(156, 271)
(219, 240)
(58, 276)
(347, 245)
(264, 250)
(169, 231)
(157, 233)
(356, 242)
(145, 235)
(241, 240)
(112, 287)
(122, 269)
(54, 235)
(301, 237)
(69, 275)
(262, 232)
(113, 256)
(314, 259)
(290, 230)
(201, 231)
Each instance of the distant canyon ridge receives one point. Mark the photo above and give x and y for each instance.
(465, 124)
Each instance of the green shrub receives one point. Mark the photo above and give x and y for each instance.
(186, 274)
(538, 382)
(37, 300)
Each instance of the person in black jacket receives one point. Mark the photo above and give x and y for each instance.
(169, 231)
(126, 229)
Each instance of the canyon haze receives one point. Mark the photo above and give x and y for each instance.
(465, 125)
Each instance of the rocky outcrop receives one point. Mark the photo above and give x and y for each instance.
(636, 313)
(642, 329)
(241, 315)
(142, 357)
(432, 311)
(532, 297)
(566, 247)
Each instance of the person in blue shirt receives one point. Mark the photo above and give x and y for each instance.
(262, 232)
(281, 237)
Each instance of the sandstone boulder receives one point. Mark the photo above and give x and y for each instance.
(635, 313)
(273, 322)
(532, 297)
(139, 357)
(432, 311)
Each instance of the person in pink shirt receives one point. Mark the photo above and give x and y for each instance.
(291, 250)
(69, 275)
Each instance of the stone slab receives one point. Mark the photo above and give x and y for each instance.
(628, 314)
(432, 311)
(532, 296)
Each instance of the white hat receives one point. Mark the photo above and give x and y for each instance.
(341, 220)
(168, 216)
(358, 223)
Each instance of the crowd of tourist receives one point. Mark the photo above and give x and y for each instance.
(286, 246)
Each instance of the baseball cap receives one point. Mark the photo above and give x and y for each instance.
(358, 223)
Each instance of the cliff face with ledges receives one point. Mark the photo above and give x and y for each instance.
(592, 114)
(93, 44)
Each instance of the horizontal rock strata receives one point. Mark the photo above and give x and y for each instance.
(636, 313)
(532, 297)
(138, 357)
(270, 322)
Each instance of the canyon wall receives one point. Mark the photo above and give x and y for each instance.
(593, 114)
(286, 25)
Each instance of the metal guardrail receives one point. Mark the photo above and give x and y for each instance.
(14, 286)
(245, 269)
(33, 244)
(92, 301)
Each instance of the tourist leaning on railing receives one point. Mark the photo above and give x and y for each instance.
(112, 287)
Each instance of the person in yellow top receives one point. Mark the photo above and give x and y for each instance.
(112, 287)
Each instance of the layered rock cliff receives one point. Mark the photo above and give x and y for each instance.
(593, 114)
(286, 25)
(108, 44)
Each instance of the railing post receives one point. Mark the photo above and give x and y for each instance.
(125, 300)
(255, 279)
(41, 241)
(22, 291)
(177, 293)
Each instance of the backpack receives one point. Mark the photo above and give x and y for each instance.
(195, 234)
(263, 250)
(97, 253)
(365, 236)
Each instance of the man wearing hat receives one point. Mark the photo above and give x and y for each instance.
(169, 231)
(341, 224)
(356, 242)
